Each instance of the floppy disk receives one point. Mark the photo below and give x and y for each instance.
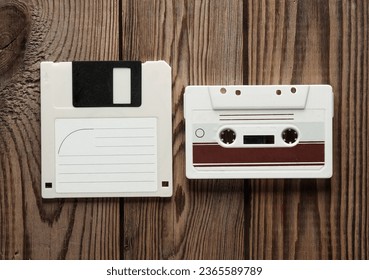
(276, 131)
(106, 129)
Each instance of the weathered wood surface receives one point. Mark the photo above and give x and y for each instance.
(32, 228)
(205, 42)
(202, 41)
(314, 42)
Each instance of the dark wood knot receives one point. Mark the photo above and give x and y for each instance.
(14, 26)
(180, 200)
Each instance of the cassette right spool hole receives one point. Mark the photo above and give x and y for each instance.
(227, 136)
(290, 135)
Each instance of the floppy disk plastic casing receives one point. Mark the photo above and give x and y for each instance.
(106, 129)
(274, 131)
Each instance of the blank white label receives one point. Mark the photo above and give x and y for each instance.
(106, 155)
(121, 85)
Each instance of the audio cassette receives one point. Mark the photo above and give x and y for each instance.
(106, 129)
(274, 131)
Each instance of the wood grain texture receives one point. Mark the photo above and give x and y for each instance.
(202, 41)
(303, 42)
(32, 228)
(205, 42)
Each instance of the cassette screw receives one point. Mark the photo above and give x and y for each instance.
(199, 133)
(289, 135)
(227, 136)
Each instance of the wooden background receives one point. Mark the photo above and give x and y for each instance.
(205, 42)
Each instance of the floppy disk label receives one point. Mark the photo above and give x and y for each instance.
(106, 155)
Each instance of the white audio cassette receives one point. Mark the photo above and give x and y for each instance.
(274, 131)
(106, 129)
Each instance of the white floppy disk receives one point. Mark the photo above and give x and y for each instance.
(106, 129)
(274, 131)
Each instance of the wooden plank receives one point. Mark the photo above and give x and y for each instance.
(285, 42)
(202, 41)
(306, 42)
(33, 228)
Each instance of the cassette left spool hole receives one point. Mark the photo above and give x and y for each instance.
(227, 136)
